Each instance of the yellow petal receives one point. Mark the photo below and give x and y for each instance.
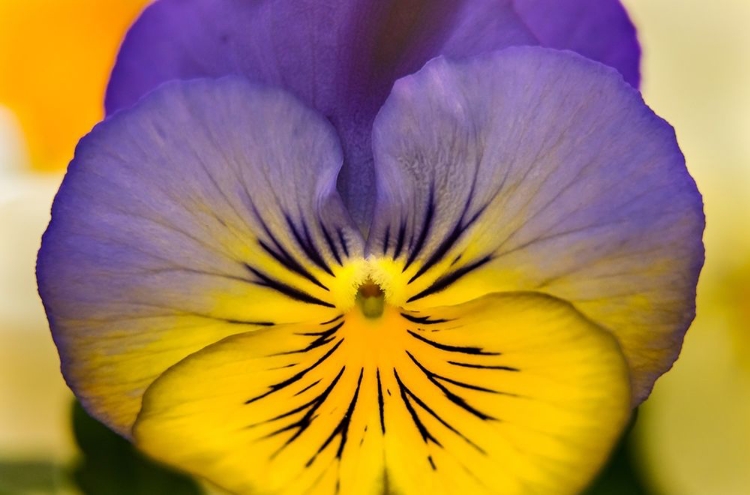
(507, 394)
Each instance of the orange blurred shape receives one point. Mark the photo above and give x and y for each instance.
(55, 60)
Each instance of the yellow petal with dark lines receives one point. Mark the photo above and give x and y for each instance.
(514, 393)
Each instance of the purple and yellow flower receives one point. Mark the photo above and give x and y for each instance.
(303, 277)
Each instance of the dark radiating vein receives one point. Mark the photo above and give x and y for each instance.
(287, 290)
(318, 258)
(484, 366)
(446, 280)
(381, 402)
(258, 323)
(400, 240)
(328, 332)
(280, 254)
(452, 348)
(307, 388)
(429, 215)
(331, 244)
(406, 392)
(238, 322)
(290, 365)
(304, 240)
(346, 421)
(468, 386)
(297, 376)
(423, 431)
(287, 414)
(305, 421)
(423, 320)
(386, 239)
(457, 400)
(331, 320)
(449, 242)
(323, 338)
(342, 429)
(432, 462)
(342, 239)
(320, 341)
(290, 263)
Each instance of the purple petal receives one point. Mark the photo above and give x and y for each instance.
(206, 210)
(598, 29)
(539, 170)
(339, 57)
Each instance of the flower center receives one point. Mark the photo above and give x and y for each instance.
(371, 284)
(371, 299)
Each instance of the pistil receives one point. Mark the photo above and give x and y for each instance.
(371, 299)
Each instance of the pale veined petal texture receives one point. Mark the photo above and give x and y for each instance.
(208, 209)
(539, 170)
(509, 393)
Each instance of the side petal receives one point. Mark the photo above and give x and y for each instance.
(206, 210)
(512, 394)
(598, 29)
(534, 169)
(339, 57)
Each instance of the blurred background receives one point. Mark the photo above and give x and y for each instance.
(692, 437)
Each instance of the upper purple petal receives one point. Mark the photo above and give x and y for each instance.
(338, 56)
(598, 29)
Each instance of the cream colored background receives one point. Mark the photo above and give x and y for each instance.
(694, 433)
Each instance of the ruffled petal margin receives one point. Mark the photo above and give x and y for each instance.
(538, 170)
(206, 210)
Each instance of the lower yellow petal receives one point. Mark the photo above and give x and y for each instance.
(506, 394)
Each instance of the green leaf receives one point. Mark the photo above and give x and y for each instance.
(110, 465)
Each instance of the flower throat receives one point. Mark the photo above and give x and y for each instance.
(371, 299)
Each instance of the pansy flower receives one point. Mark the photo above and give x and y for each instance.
(304, 277)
